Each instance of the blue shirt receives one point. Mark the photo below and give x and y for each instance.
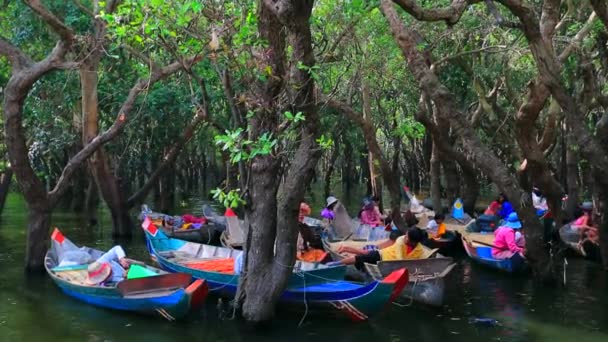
(505, 210)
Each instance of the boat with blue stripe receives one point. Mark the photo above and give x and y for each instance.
(313, 285)
(171, 296)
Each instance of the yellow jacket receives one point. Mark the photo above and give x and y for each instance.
(398, 251)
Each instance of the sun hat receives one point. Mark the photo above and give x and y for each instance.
(331, 200)
(367, 202)
(98, 273)
(587, 206)
(513, 221)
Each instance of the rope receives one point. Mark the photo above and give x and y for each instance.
(305, 303)
(413, 291)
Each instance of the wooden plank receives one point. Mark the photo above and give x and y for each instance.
(156, 283)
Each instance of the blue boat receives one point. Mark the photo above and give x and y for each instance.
(481, 253)
(171, 296)
(313, 285)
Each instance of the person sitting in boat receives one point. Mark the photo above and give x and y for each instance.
(405, 247)
(328, 211)
(585, 224)
(111, 266)
(505, 239)
(376, 201)
(436, 227)
(370, 215)
(539, 201)
(505, 206)
(494, 208)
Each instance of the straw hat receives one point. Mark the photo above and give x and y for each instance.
(331, 200)
(98, 273)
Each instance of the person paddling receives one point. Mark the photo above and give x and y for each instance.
(505, 240)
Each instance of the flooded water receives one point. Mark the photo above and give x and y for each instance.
(33, 309)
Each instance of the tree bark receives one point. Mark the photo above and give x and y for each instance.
(435, 173)
(272, 211)
(5, 183)
(39, 221)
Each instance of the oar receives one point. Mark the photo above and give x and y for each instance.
(155, 283)
(489, 245)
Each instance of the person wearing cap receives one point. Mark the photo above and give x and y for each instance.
(405, 247)
(328, 211)
(585, 223)
(505, 239)
(370, 215)
(110, 267)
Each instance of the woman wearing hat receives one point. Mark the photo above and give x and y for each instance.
(505, 239)
(328, 211)
(369, 214)
(585, 223)
(111, 267)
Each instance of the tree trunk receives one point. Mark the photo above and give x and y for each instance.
(471, 188)
(436, 181)
(451, 176)
(572, 176)
(5, 184)
(271, 242)
(39, 221)
(330, 169)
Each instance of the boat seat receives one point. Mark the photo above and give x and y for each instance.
(484, 252)
(77, 277)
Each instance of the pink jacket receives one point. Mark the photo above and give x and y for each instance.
(504, 239)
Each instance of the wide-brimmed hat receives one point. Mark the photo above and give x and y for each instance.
(587, 206)
(513, 221)
(98, 273)
(331, 200)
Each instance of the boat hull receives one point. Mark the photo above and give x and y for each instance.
(571, 236)
(483, 255)
(169, 302)
(321, 289)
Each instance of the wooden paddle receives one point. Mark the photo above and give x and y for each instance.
(488, 244)
(155, 283)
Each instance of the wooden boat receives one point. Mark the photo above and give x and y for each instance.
(171, 296)
(313, 285)
(426, 282)
(427, 277)
(233, 229)
(481, 252)
(448, 244)
(205, 233)
(571, 237)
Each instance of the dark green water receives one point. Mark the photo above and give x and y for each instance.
(33, 309)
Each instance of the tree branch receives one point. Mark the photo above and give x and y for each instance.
(580, 35)
(549, 18)
(117, 126)
(16, 57)
(451, 14)
(170, 157)
(57, 25)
